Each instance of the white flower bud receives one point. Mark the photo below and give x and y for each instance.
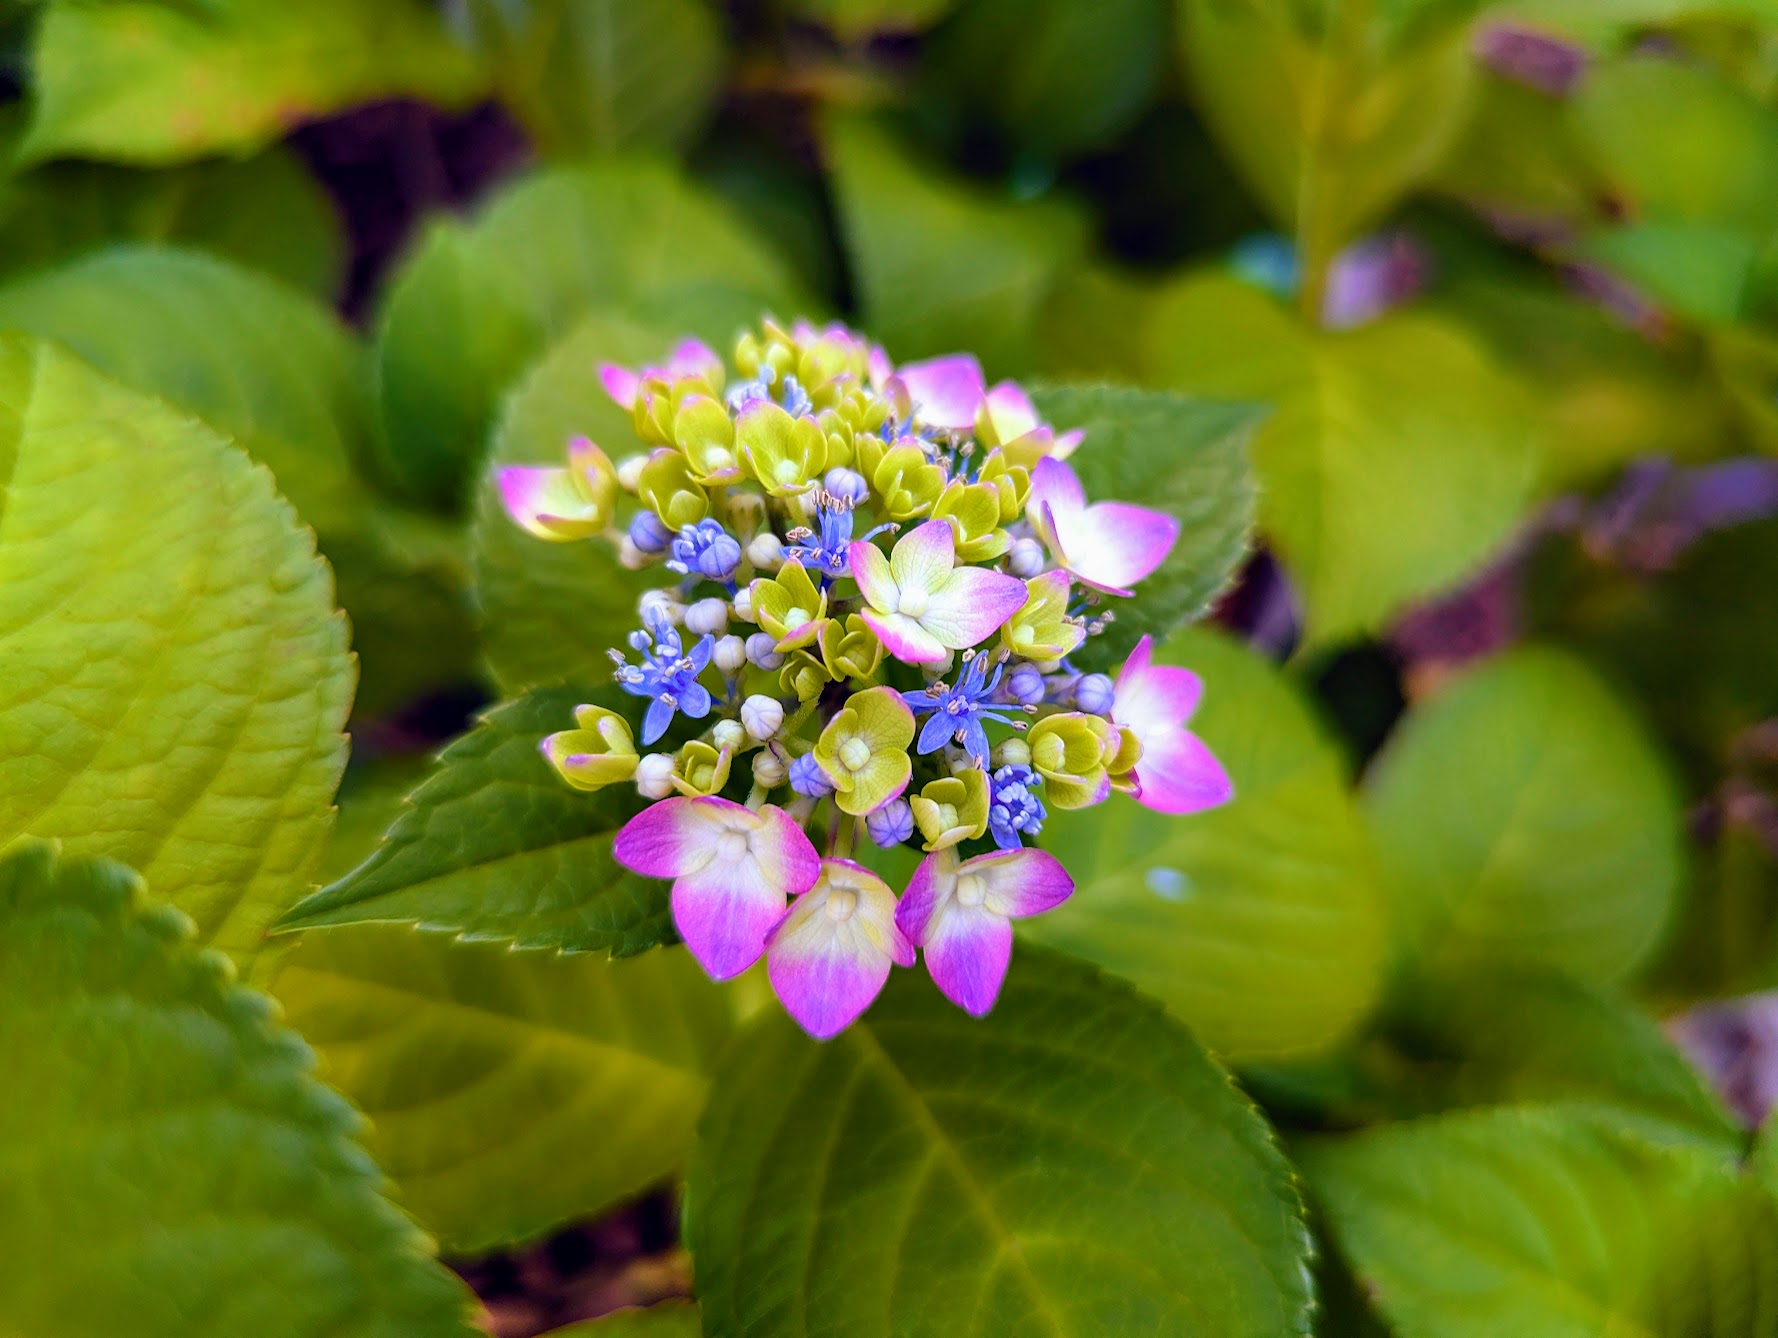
(654, 775)
(731, 655)
(1025, 559)
(769, 770)
(942, 667)
(746, 512)
(629, 472)
(762, 649)
(629, 556)
(665, 601)
(743, 604)
(707, 617)
(728, 734)
(766, 551)
(1013, 753)
(762, 715)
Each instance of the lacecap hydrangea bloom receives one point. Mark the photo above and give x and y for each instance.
(879, 576)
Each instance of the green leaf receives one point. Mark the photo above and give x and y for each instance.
(278, 372)
(1549, 1224)
(172, 1166)
(477, 302)
(1259, 923)
(267, 212)
(495, 846)
(942, 266)
(1517, 157)
(1700, 270)
(507, 1092)
(1522, 815)
(176, 676)
(595, 76)
(670, 1319)
(1071, 1164)
(1399, 456)
(857, 20)
(1330, 124)
(553, 611)
(269, 366)
(1488, 1038)
(153, 84)
(1066, 77)
(1185, 457)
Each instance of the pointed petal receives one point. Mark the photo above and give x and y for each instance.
(967, 952)
(620, 383)
(1154, 698)
(1011, 411)
(1020, 882)
(827, 971)
(1114, 545)
(904, 638)
(1179, 774)
(724, 912)
(672, 837)
(785, 852)
(947, 391)
(546, 503)
(1055, 486)
(924, 556)
(927, 891)
(971, 605)
(935, 731)
(870, 568)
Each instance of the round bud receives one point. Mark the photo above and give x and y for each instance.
(846, 483)
(648, 534)
(891, 824)
(762, 649)
(746, 512)
(665, 601)
(728, 734)
(1025, 559)
(1094, 694)
(1025, 685)
(654, 775)
(768, 769)
(1013, 753)
(630, 557)
(629, 472)
(743, 604)
(762, 715)
(731, 655)
(707, 617)
(807, 777)
(766, 551)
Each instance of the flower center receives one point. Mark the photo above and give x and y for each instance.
(841, 902)
(1024, 633)
(971, 891)
(717, 458)
(786, 471)
(855, 754)
(913, 602)
(796, 618)
(730, 846)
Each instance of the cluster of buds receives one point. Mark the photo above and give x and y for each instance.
(879, 578)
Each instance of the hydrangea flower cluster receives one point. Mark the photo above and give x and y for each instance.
(882, 575)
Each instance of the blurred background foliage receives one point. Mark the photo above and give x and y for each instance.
(1503, 279)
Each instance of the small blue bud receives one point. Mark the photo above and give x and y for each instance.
(847, 484)
(891, 824)
(1025, 685)
(648, 534)
(1094, 694)
(807, 777)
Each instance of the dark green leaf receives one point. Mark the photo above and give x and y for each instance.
(172, 1167)
(1182, 456)
(1549, 1223)
(595, 76)
(495, 846)
(153, 83)
(1522, 815)
(1073, 1164)
(670, 1319)
(1259, 923)
(942, 266)
(478, 302)
(507, 1091)
(267, 212)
